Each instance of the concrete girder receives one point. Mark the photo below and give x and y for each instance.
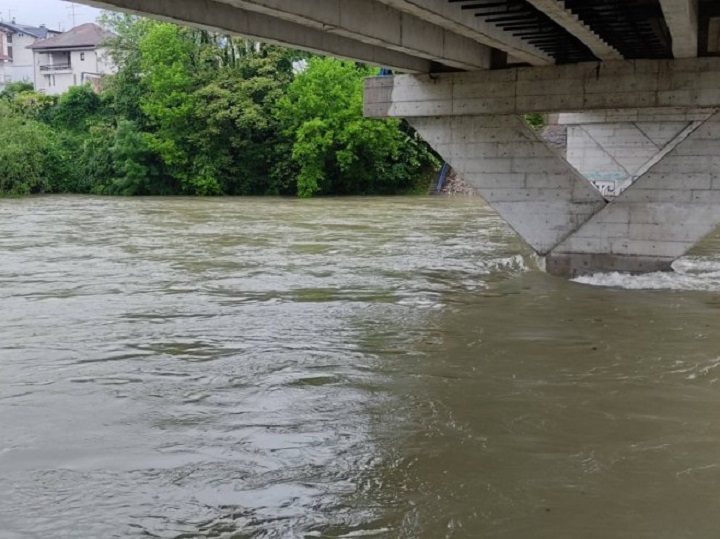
(571, 23)
(221, 17)
(681, 17)
(466, 24)
(626, 84)
(378, 24)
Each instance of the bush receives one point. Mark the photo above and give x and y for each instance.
(29, 157)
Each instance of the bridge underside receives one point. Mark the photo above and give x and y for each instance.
(637, 83)
(423, 36)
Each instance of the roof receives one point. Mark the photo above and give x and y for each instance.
(39, 32)
(88, 35)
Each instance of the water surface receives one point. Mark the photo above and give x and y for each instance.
(390, 368)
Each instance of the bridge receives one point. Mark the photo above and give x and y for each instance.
(636, 82)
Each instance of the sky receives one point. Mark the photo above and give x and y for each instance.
(56, 14)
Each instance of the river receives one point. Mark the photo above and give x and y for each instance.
(384, 368)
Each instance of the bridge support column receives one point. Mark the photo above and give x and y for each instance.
(535, 190)
(650, 127)
(669, 207)
(667, 175)
(613, 149)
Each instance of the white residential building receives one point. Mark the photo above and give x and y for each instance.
(16, 59)
(71, 59)
(4, 61)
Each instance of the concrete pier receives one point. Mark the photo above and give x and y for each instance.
(640, 184)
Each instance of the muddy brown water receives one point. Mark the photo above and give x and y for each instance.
(387, 368)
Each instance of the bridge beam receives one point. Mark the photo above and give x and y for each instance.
(627, 84)
(681, 17)
(570, 22)
(375, 23)
(222, 17)
(450, 16)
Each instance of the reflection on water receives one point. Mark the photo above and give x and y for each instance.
(388, 368)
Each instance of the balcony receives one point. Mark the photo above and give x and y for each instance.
(56, 67)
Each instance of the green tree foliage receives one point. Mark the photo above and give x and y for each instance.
(11, 91)
(196, 113)
(29, 157)
(535, 120)
(77, 110)
(337, 150)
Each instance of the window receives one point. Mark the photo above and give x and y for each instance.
(82, 56)
(10, 53)
(9, 38)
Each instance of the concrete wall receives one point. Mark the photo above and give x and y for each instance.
(55, 83)
(4, 75)
(666, 211)
(614, 149)
(536, 191)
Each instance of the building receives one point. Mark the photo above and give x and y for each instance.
(70, 59)
(4, 61)
(16, 60)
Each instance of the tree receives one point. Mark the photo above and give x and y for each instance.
(77, 109)
(199, 113)
(29, 157)
(337, 150)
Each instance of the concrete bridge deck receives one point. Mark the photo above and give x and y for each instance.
(637, 82)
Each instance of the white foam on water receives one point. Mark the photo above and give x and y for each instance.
(365, 533)
(689, 273)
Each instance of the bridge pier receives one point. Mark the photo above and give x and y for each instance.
(671, 204)
(532, 188)
(614, 148)
(641, 182)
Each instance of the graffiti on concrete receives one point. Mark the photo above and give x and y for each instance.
(610, 184)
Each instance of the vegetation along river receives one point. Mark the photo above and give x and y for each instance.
(388, 368)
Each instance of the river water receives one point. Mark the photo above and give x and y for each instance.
(386, 368)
